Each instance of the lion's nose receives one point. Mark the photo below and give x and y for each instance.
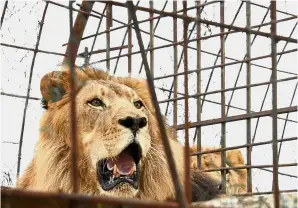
(134, 124)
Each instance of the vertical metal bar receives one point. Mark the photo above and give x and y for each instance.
(175, 39)
(86, 57)
(123, 41)
(151, 40)
(154, 29)
(73, 130)
(29, 88)
(248, 96)
(108, 44)
(198, 129)
(173, 170)
(3, 13)
(274, 103)
(79, 27)
(223, 100)
(268, 86)
(286, 121)
(95, 37)
(187, 183)
(129, 31)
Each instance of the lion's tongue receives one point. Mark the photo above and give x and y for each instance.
(124, 163)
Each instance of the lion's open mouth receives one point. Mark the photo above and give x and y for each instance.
(124, 168)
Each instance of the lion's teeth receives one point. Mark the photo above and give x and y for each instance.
(132, 170)
(115, 169)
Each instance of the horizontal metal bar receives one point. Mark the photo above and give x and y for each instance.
(227, 64)
(31, 49)
(262, 6)
(104, 50)
(241, 146)
(228, 105)
(116, 28)
(228, 89)
(19, 96)
(280, 173)
(73, 9)
(237, 118)
(141, 21)
(39, 197)
(264, 193)
(203, 21)
(248, 166)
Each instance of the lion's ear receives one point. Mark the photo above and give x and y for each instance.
(53, 86)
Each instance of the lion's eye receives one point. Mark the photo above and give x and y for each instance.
(138, 104)
(96, 103)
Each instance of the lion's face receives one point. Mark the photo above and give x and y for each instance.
(113, 124)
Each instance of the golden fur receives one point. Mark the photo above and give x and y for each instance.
(235, 179)
(99, 136)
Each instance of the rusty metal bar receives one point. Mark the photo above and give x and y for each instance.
(151, 43)
(177, 184)
(97, 29)
(19, 96)
(274, 105)
(3, 13)
(280, 173)
(79, 26)
(128, 32)
(129, 58)
(223, 98)
(179, 63)
(241, 146)
(218, 103)
(285, 124)
(227, 64)
(265, 192)
(153, 32)
(230, 89)
(49, 197)
(245, 56)
(117, 28)
(29, 88)
(176, 67)
(81, 11)
(199, 106)
(238, 117)
(31, 49)
(218, 53)
(165, 39)
(227, 105)
(72, 53)
(86, 58)
(105, 50)
(108, 37)
(192, 19)
(187, 182)
(207, 68)
(283, 12)
(202, 5)
(267, 89)
(249, 166)
(248, 97)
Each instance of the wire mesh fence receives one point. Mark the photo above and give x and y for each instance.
(224, 74)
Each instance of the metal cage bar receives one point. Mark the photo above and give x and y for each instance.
(184, 198)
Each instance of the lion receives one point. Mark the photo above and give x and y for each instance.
(120, 151)
(236, 180)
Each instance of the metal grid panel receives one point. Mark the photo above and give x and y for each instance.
(155, 16)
